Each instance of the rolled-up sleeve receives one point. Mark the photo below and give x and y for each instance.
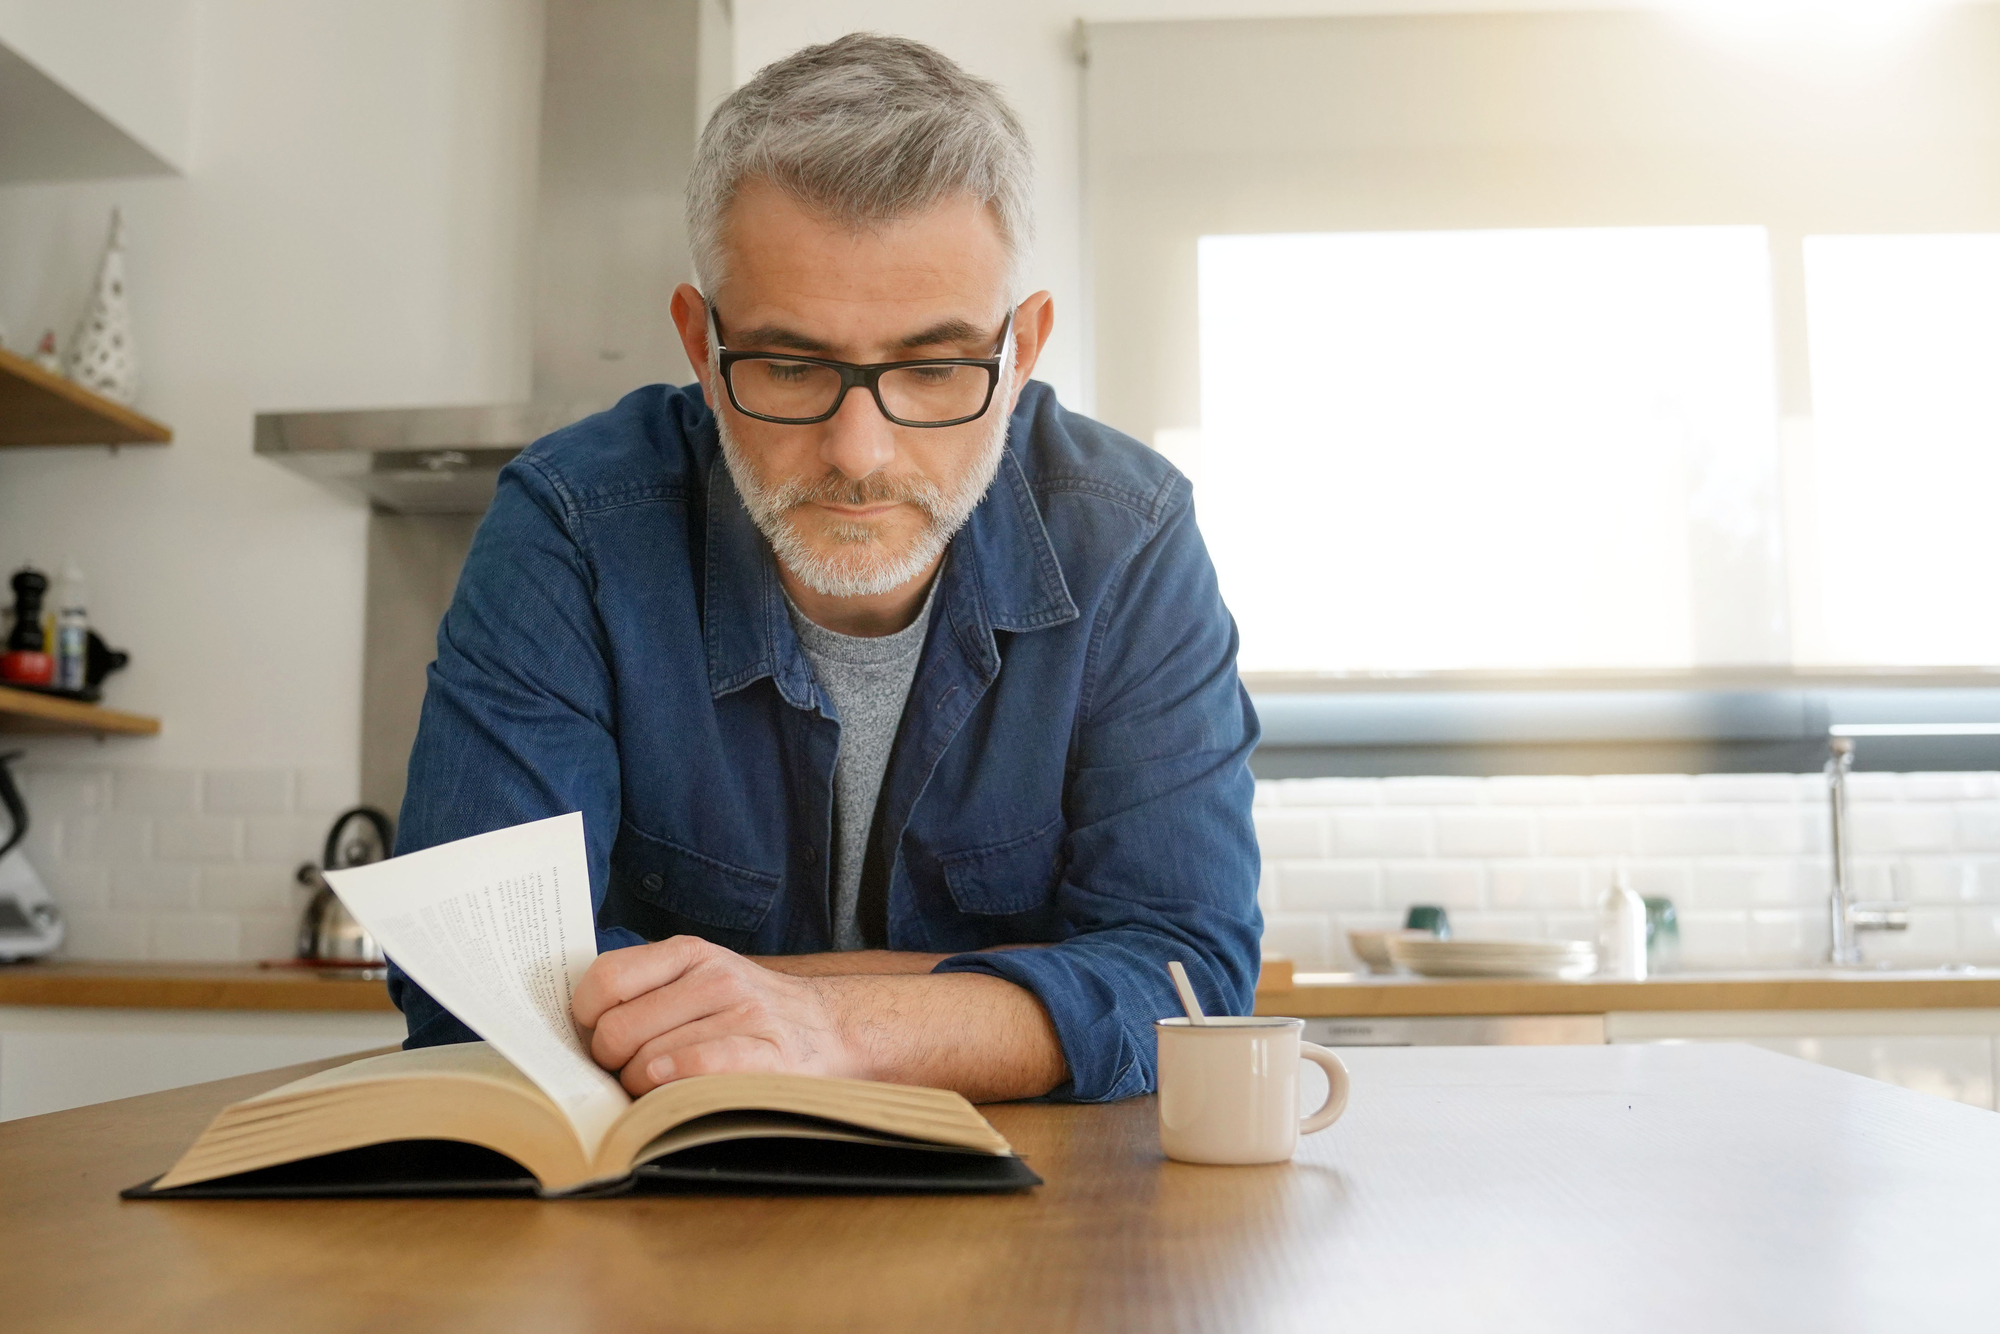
(1161, 856)
(517, 716)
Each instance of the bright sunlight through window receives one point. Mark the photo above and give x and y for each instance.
(1905, 459)
(1462, 450)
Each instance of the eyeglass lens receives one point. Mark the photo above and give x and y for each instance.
(774, 387)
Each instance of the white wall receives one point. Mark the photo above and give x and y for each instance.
(132, 61)
(352, 231)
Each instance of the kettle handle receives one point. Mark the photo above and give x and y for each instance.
(383, 830)
(10, 797)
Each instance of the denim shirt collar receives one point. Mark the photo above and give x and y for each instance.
(1001, 574)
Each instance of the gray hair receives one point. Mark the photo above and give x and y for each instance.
(864, 130)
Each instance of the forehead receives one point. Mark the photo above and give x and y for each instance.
(782, 260)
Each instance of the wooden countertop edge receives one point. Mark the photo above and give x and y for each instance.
(274, 990)
(1526, 996)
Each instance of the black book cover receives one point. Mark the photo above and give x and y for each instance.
(444, 1168)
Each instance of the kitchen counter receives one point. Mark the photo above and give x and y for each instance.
(1549, 1189)
(187, 987)
(1307, 995)
(1317, 995)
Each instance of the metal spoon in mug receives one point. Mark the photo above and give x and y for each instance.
(1186, 988)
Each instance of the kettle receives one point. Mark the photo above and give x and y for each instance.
(328, 933)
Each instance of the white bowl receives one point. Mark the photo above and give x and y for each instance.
(1372, 947)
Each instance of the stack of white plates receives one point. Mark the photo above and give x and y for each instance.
(1494, 958)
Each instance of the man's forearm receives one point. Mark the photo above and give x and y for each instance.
(849, 963)
(984, 1037)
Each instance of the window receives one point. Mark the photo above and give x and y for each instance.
(1896, 556)
(1511, 449)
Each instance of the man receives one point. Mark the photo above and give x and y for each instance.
(899, 702)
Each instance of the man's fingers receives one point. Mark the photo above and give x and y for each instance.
(623, 1029)
(720, 1055)
(619, 975)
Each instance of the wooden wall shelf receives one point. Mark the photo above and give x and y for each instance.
(27, 711)
(37, 408)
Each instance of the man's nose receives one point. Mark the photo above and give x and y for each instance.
(859, 440)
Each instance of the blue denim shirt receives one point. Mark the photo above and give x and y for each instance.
(1071, 767)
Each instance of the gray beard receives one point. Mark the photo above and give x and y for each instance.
(858, 565)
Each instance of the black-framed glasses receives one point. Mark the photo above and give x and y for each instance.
(798, 391)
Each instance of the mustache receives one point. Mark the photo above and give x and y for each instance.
(875, 489)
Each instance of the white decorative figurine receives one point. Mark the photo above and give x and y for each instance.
(100, 356)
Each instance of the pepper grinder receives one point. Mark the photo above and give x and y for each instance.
(26, 661)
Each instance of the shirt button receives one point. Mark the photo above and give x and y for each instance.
(812, 856)
(652, 881)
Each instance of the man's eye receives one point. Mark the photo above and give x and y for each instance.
(933, 375)
(788, 372)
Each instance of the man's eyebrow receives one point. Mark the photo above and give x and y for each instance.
(773, 335)
(944, 332)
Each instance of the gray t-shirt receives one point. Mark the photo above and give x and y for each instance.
(868, 680)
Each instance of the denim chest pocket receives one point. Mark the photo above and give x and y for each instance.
(700, 895)
(1017, 875)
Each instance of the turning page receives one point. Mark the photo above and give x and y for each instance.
(498, 929)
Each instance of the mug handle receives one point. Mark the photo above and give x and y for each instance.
(1336, 1087)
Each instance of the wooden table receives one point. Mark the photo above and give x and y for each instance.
(1497, 1189)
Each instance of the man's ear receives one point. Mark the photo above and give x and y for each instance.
(1033, 320)
(690, 314)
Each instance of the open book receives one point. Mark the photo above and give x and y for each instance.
(498, 928)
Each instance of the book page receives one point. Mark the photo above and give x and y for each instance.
(498, 929)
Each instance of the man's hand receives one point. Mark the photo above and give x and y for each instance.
(684, 1007)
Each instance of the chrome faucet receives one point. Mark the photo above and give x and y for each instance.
(1845, 916)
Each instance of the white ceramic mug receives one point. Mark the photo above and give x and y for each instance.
(1229, 1089)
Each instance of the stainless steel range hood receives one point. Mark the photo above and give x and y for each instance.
(618, 124)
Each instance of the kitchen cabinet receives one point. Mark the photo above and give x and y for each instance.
(1951, 1054)
(56, 1057)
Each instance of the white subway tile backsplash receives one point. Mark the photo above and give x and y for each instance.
(1641, 789)
(106, 838)
(248, 792)
(1284, 834)
(192, 865)
(249, 889)
(1485, 833)
(1539, 883)
(1325, 792)
(115, 937)
(1380, 833)
(1979, 826)
(1305, 938)
(1329, 886)
(197, 838)
(197, 938)
(1690, 832)
(1537, 790)
(1928, 827)
(291, 839)
(1447, 884)
(328, 792)
(1432, 791)
(1586, 832)
(156, 791)
(1744, 857)
(56, 792)
(1741, 788)
(153, 887)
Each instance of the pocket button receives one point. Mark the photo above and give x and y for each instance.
(652, 881)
